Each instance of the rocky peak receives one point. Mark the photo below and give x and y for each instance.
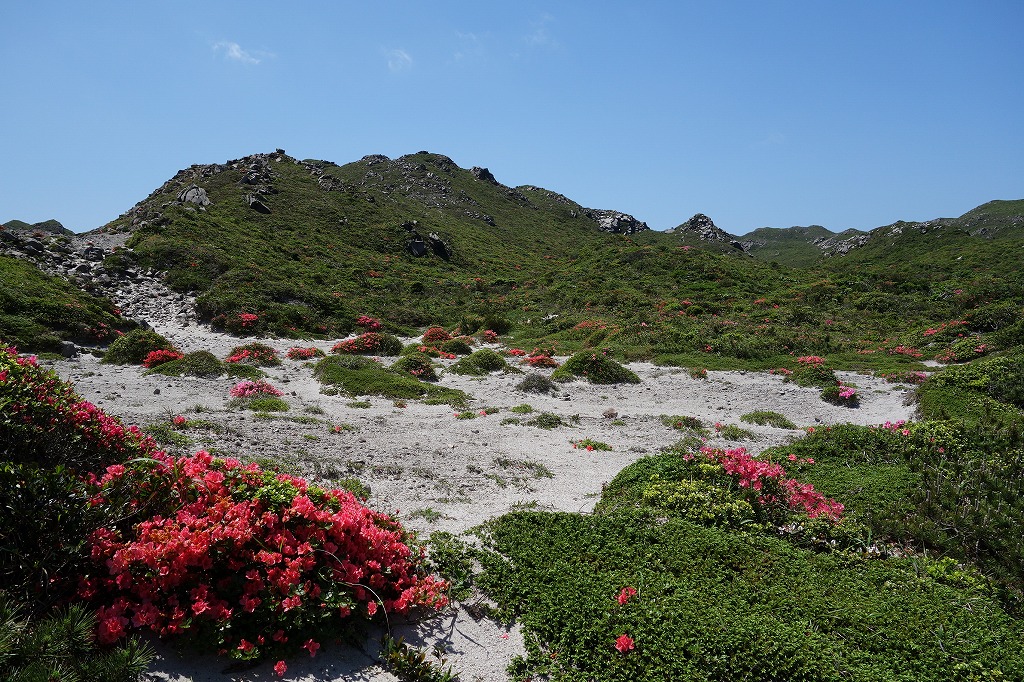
(703, 228)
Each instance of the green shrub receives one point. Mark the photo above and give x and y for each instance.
(546, 420)
(418, 365)
(536, 383)
(45, 518)
(358, 377)
(456, 346)
(267, 404)
(481, 362)
(238, 370)
(683, 423)
(133, 347)
(767, 417)
(596, 367)
(370, 343)
(201, 363)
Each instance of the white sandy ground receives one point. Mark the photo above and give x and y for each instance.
(421, 458)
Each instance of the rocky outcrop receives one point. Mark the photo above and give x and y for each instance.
(615, 222)
(100, 264)
(703, 228)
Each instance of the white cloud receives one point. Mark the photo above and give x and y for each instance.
(540, 37)
(235, 53)
(398, 60)
(469, 46)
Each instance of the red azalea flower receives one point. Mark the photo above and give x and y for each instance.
(280, 668)
(624, 643)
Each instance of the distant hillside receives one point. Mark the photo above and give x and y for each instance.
(797, 246)
(46, 227)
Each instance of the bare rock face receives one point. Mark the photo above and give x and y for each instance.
(616, 222)
(194, 194)
(484, 175)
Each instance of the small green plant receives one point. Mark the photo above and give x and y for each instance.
(590, 444)
(456, 347)
(360, 404)
(596, 367)
(522, 409)
(417, 365)
(734, 432)
(546, 420)
(700, 373)
(428, 514)
(682, 422)
(267, 404)
(412, 664)
(768, 418)
(534, 469)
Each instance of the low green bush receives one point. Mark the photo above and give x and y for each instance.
(596, 367)
(481, 362)
(133, 347)
(370, 378)
(417, 365)
(456, 346)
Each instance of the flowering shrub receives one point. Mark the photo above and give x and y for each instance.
(699, 373)
(368, 323)
(436, 335)
(490, 336)
(515, 352)
(298, 353)
(370, 343)
(44, 422)
(247, 561)
(907, 351)
(840, 394)
(258, 354)
(704, 491)
(418, 365)
(159, 357)
(812, 371)
(251, 389)
(540, 360)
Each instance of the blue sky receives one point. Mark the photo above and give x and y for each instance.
(843, 114)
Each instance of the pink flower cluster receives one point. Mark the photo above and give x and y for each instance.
(248, 389)
(436, 335)
(540, 360)
(811, 360)
(298, 353)
(246, 320)
(159, 357)
(368, 323)
(756, 474)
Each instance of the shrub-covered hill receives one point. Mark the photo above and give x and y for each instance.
(39, 312)
(306, 244)
(303, 248)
